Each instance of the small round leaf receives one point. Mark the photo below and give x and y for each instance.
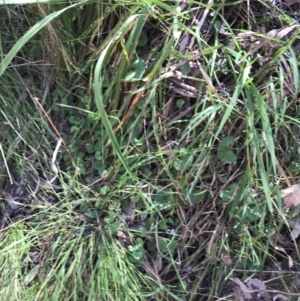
(224, 152)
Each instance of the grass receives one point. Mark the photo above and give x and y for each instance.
(147, 170)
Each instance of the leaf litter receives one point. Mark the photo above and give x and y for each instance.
(256, 290)
(291, 196)
(252, 41)
(291, 199)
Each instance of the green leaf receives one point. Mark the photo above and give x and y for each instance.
(142, 231)
(135, 198)
(74, 128)
(104, 190)
(184, 163)
(179, 55)
(76, 120)
(31, 32)
(114, 227)
(227, 193)
(224, 151)
(31, 275)
(137, 253)
(180, 103)
(185, 68)
(143, 39)
(166, 245)
(90, 148)
(193, 197)
(253, 213)
(99, 93)
(139, 67)
(125, 205)
(163, 225)
(92, 214)
(110, 218)
(82, 169)
(151, 246)
(163, 200)
(98, 155)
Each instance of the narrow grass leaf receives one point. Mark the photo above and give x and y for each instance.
(22, 2)
(30, 33)
(98, 89)
(235, 96)
(265, 124)
(264, 176)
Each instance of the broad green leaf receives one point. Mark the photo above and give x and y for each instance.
(137, 253)
(138, 69)
(143, 39)
(104, 190)
(224, 152)
(180, 103)
(227, 193)
(163, 225)
(114, 227)
(165, 245)
(163, 200)
(31, 275)
(194, 197)
(253, 213)
(185, 68)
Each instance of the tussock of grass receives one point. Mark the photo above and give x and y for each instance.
(167, 182)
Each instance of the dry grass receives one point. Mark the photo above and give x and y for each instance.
(148, 198)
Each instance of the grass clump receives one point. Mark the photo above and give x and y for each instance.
(145, 146)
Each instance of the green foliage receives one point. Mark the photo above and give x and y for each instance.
(225, 152)
(174, 150)
(138, 69)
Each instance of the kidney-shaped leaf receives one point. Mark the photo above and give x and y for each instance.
(224, 151)
(138, 68)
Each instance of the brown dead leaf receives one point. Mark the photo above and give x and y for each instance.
(254, 41)
(280, 297)
(260, 288)
(281, 32)
(256, 284)
(237, 294)
(225, 257)
(281, 249)
(290, 2)
(250, 41)
(124, 240)
(243, 287)
(291, 196)
(295, 225)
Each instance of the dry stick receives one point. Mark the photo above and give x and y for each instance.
(46, 91)
(204, 16)
(182, 114)
(49, 120)
(60, 140)
(18, 139)
(130, 111)
(54, 168)
(269, 291)
(283, 173)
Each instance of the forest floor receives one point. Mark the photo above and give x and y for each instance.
(150, 150)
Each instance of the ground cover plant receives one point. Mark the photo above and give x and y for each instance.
(149, 150)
